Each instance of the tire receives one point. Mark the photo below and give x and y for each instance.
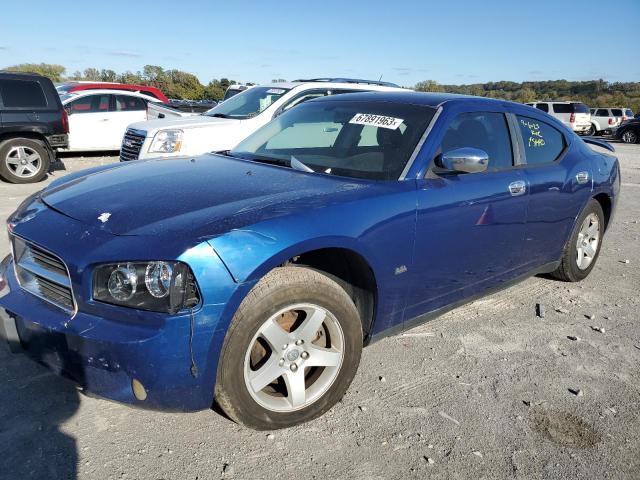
(569, 269)
(630, 137)
(23, 160)
(289, 297)
(592, 131)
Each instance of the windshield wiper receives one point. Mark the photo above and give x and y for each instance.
(298, 165)
(219, 115)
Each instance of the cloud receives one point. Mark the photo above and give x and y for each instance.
(120, 53)
(3, 48)
(535, 72)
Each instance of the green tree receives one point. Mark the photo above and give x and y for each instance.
(429, 86)
(49, 70)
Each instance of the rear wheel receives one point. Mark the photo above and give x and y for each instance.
(290, 352)
(583, 247)
(592, 130)
(23, 160)
(630, 137)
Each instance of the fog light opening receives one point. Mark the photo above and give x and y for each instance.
(138, 390)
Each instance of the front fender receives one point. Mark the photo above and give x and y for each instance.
(249, 254)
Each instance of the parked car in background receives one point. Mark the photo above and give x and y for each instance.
(629, 131)
(70, 87)
(574, 115)
(604, 120)
(222, 127)
(99, 118)
(192, 106)
(255, 278)
(33, 126)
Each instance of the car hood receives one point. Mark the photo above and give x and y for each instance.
(210, 194)
(195, 121)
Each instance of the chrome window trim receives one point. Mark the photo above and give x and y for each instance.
(73, 312)
(423, 139)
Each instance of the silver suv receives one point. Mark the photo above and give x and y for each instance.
(574, 115)
(605, 120)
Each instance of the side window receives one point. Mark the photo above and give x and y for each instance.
(22, 94)
(90, 104)
(616, 112)
(542, 142)
(543, 106)
(127, 103)
(305, 97)
(483, 130)
(601, 112)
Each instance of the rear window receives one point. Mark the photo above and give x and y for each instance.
(22, 94)
(570, 108)
(628, 113)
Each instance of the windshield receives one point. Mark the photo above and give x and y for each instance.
(232, 92)
(247, 104)
(369, 140)
(64, 88)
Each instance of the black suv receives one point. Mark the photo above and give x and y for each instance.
(33, 125)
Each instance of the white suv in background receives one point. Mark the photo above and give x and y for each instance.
(225, 125)
(574, 115)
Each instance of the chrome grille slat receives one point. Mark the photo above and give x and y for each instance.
(43, 274)
(131, 145)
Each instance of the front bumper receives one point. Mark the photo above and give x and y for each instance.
(105, 358)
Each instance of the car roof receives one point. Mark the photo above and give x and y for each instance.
(108, 91)
(326, 84)
(414, 98)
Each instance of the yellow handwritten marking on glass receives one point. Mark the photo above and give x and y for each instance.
(536, 139)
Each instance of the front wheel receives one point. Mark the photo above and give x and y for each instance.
(583, 247)
(630, 137)
(291, 351)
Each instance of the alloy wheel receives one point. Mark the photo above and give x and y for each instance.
(629, 137)
(294, 358)
(588, 241)
(23, 162)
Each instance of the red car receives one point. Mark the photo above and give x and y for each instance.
(77, 86)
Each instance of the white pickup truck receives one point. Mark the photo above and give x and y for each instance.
(225, 125)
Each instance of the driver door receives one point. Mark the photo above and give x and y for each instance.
(470, 226)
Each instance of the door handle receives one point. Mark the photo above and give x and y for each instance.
(517, 188)
(104, 119)
(582, 177)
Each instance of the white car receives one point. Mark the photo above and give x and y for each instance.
(98, 119)
(574, 115)
(230, 122)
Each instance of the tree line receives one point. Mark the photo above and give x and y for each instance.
(183, 85)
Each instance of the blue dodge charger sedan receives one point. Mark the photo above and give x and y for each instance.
(252, 278)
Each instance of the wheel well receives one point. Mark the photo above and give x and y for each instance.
(29, 135)
(605, 202)
(352, 272)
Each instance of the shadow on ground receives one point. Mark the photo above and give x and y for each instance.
(34, 404)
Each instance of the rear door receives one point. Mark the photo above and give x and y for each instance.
(128, 109)
(559, 184)
(470, 226)
(89, 123)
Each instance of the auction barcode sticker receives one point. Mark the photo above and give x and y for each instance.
(376, 120)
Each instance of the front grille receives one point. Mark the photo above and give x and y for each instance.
(131, 145)
(43, 274)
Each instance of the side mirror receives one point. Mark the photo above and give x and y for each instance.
(467, 160)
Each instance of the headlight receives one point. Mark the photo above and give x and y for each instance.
(166, 141)
(156, 286)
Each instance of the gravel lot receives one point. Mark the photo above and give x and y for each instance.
(482, 392)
